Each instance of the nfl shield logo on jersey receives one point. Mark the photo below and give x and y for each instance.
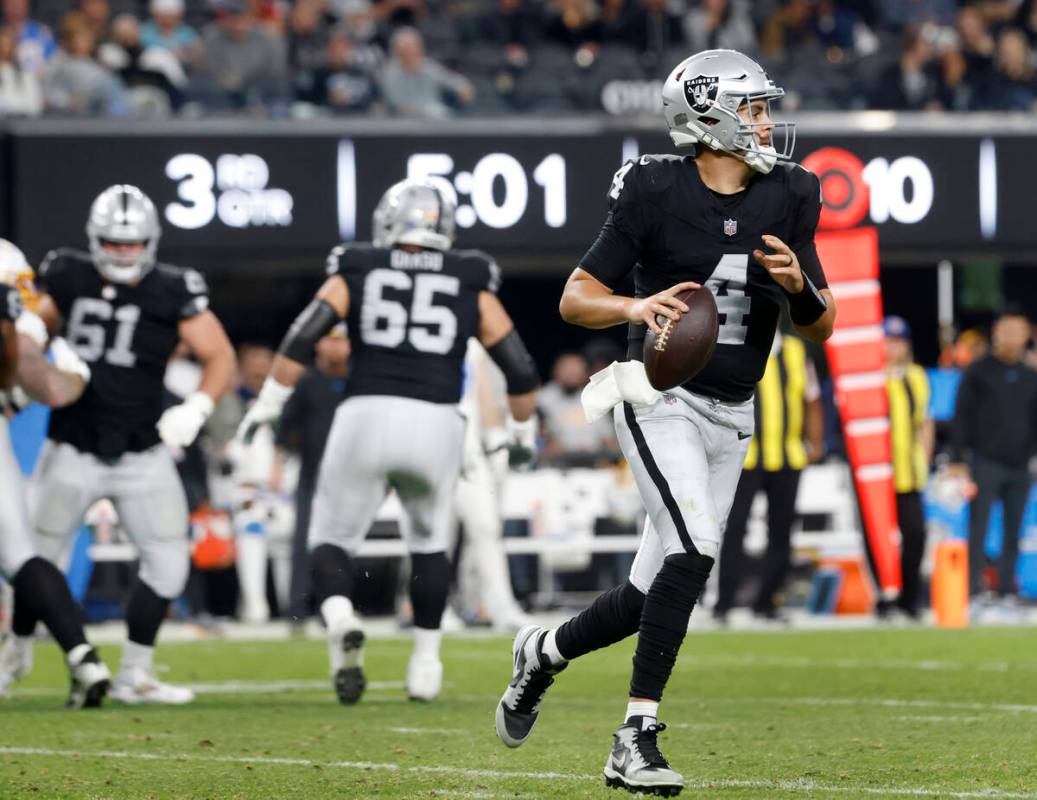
(730, 227)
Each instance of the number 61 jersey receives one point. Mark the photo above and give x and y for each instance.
(667, 226)
(411, 315)
(126, 333)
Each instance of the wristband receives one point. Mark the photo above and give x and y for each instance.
(807, 306)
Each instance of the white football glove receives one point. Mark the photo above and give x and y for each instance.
(523, 446)
(179, 425)
(265, 410)
(67, 360)
(32, 325)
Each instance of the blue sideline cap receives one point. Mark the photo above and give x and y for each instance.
(896, 328)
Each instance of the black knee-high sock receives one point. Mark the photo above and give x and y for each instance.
(612, 617)
(24, 619)
(429, 584)
(145, 612)
(40, 588)
(334, 572)
(664, 621)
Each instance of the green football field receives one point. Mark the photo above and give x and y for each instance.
(871, 713)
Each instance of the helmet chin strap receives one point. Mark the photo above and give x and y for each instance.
(762, 158)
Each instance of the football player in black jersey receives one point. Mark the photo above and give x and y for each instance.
(124, 313)
(37, 582)
(738, 218)
(411, 303)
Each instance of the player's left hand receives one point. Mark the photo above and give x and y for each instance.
(782, 264)
(179, 425)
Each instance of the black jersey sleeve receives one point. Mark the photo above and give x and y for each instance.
(481, 271)
(56, 277)
(193, 295)
(10, 302)
(618, 247)
(348, 259)
(807, 191)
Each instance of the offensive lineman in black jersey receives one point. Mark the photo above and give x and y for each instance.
(124, 314)
(737, 218)
(37, 582)
(411, 304)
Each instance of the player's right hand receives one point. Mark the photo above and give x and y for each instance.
(265, 410)
(644, 310)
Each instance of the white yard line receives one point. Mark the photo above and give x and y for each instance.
(803, 662)
(445, 731)
(806, 787)
(938, 719)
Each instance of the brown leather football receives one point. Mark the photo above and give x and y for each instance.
(684, 347)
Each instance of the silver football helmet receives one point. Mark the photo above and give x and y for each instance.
(701, 98)
(414, 212)
(15, 271)
(123, 214)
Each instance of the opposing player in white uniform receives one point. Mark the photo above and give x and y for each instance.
(37, 583)
(492, 440)
(682, 222)
(411, 303)
(124, 314)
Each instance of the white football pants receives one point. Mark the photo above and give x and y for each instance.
(686, 453)
(378, 443)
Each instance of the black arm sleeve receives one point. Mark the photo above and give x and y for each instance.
(514, 360)
(612, 256)
(315, 320)
(802, 243)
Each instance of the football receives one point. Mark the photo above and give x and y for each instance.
(683, 347)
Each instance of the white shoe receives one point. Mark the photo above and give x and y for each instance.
(137, 685)
(424, 677)
(635, 763)
(346, 653)
(15, 661)
(90, 683)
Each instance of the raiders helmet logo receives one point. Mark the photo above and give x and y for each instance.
(701, 91)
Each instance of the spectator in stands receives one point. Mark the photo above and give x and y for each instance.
(789, 435)
(994, 438)
(977, 43)
(35, 42)
(339, 84)
(908, 84)
(269, 15)
(1026, 20)
(154, 76)
(399, 13)
(415, 85)
(510, 24)
(20, 92)
(245, 65)
(575, 24)
(308, 34)
(726, 24)
(304, 430)
(904, 14)
(568, 438)
(912, 435)
(1013, 83)
(74, 83)
(167, 29)
(96, 15)
(651, 30)
(357, 17)
(954, 90)
(789, 28)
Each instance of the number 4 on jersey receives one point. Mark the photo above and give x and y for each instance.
(727, 283)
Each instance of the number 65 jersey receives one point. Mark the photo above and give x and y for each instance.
(411, 315)
(667, 226)
(126, 333)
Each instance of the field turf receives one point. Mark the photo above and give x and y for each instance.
(848, 714)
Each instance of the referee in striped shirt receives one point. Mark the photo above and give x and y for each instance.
(912, 434)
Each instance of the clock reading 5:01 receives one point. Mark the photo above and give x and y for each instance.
(497, 188)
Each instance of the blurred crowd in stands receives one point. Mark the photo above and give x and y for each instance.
(440, 58)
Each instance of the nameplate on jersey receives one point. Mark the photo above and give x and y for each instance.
(423, 260)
